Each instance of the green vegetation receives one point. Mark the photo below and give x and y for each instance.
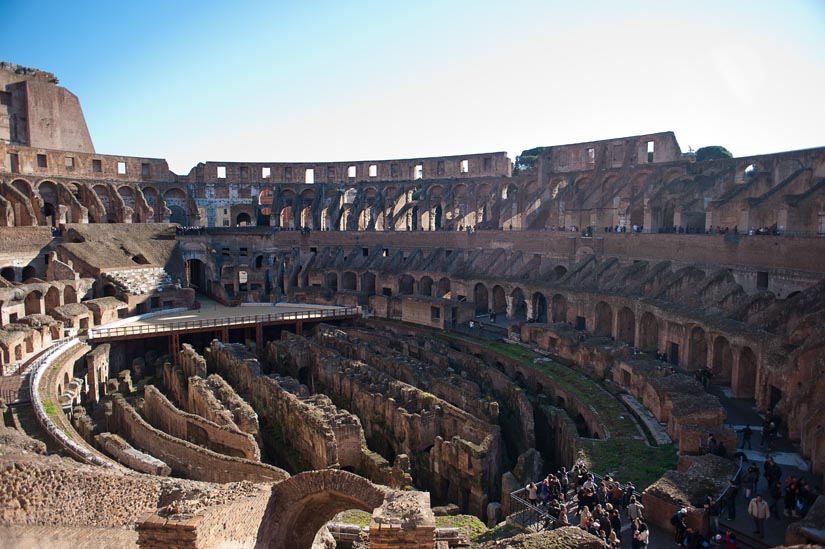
(527, 160)
(630, 460)
(613, 415)
(712, 152)
(502, 531)
(354, 516)
(50, 407)
(469, 524)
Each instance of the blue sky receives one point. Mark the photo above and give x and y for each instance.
(304, 81)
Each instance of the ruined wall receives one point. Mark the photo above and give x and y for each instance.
(215, 397)
(132, 458)
(186, 459)
(227, 440)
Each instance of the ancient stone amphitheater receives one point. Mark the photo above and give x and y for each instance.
(470, 324)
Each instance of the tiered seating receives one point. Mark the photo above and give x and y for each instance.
(141, 281)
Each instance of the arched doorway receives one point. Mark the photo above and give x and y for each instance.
(519, 306)
(539, 307)
(178, 215)
(722, 361)
(443, 289)
(746, 382)
(406, 284)
(559, 303)
(243, 219)
(8, 273)
(109, 290)
(626, 326)
(349, 281)
(649, 333)
(69, 295)
(196, 274)
(34, 303)
(331, 281)
(559, 271)
(425, 286)
(368, 283)
(499, 300)
(603, 325)
(29, 272)
(480, 298)
(698, 349)
(52, 299)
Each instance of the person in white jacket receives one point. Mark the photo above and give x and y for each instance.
(760, 511)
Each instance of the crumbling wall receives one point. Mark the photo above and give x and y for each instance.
(186, 459)
(132, 458)
(214, 399)
(223, 439)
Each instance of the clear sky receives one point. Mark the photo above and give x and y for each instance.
(192, 81)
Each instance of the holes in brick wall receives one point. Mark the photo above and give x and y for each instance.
(439, 170)
(97, 166)
(266, 173)
(309, 175)
(373, 170)
(651, 147)
(244, 172)
(590, 155)
(221, 172)
(418, 171)
(488, 164)
(288, 173)
(121, 168)
(41, 161)
(70, 162)
(145, 169)
(352, 171)
(465, 166)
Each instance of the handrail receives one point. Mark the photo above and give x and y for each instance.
(98, 333)
(538, 518)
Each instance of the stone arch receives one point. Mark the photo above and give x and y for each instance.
(697, 349)
(603, 320)
(518, 305)
(301, 505)
(425, 286)
(368, 283)
(480, 298)
(722, 360)
(178, 215)
(406, 285)
(196, 274)
(746, 380)
(349, 281)
(52, 299)
(331, 281)
(626, 326)
(34, 303)
(559, 271)
(243, 219)
(648, 333)
(559, 306)
(109, 290)
(539, 307)
(499, 304)
(29, 272)
(9, 274)
(69, 295)
(443, 289)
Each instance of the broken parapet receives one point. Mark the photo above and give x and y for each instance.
(131, 457)
(404, 520)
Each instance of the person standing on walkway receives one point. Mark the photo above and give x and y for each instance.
(747, 433)
(730, 499)
(758, 509)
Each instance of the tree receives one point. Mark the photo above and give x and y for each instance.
(712, 152)
(527, 160)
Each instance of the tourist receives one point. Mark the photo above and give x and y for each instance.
(776, 496)
(773, 473)
(532, 492)
(585, 518)
(730, 499)
(635, 510)
(730, 540)
(759, 511)
(712, 505)
(563, 519)
(751, 480)
(644, 535)
(678, 522)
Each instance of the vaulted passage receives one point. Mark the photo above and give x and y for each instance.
(559, 308)
(480, 298)
(649, 333)
(603, 320)
(698, 350)
(626, 326)
(722, 361)
(301, 505)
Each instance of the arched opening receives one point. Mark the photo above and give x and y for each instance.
(626, 326)
(286, 217)
(243, 219)
(349, 281)
(519, 305)
(751, 172)
(603, 325)
(499, 300)
(196, 274)
(443, 288)
(29, 272)
(746, 382)
(425, 286)
(539, 307)
(698, 349)
(49, 214)
(259, 261)
(559, 271)
(52, 299)
(331, 281)
(178, 215)
(668, 215)
(69, 295)
(8, 273)
(722, 361)
(649, 333)
(34, 303)
(109, 290)
(406, 285)
(480, 298)
(368, 283)
(559, 304)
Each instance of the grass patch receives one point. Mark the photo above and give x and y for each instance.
(630, 460)
(469, 524)
(50, 407)
(354, 516)
(612, 413)
(502, 531)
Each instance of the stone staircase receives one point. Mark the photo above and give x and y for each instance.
(146, 280)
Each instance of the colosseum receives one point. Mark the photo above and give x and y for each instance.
(386, 353)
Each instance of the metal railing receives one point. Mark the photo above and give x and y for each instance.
(313, 314)
(531, 517)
